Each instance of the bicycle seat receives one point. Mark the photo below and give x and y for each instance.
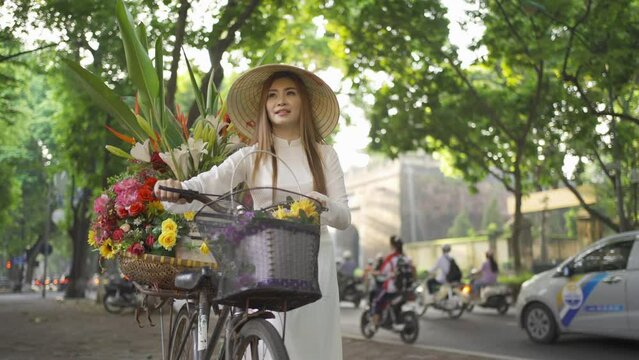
(192, 279)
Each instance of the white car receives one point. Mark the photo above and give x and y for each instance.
(594, 292)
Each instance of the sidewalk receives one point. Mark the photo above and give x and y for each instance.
(36, 328)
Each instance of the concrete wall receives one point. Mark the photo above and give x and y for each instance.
(468, 252)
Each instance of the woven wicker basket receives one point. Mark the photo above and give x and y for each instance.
(273, 266)
(154, 270)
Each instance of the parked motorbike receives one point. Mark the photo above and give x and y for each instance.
(119, 294)
(452, 299)
(350, 288)
(496, 296)
(399, 317)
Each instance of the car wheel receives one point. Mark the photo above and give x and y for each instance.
(540, 324)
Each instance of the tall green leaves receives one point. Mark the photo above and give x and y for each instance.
(139, 65)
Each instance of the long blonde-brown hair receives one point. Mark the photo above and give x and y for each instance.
(310, 137)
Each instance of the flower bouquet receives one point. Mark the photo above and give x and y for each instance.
(130, 219)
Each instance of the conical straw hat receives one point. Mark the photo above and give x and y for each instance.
(244, 97)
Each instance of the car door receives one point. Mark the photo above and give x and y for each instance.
(595, 295)
(632, 291)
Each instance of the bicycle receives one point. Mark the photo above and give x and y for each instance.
(238, 332)
(242, 331)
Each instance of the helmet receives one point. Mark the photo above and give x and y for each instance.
(446, 248)
(346, 254)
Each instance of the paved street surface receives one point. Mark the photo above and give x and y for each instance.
(56, 329)
(485, 333)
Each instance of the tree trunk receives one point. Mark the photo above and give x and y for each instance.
(517, 221)
(216, 49)
(171, 86)
(78, 234)
(31, 259)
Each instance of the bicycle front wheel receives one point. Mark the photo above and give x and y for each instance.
(258, 340)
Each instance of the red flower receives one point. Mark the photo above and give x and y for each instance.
(150, 182)
(157, 162)
(145, 194)
(117, 235)
(136, 208)
(136, 249)
(122, 213)
(150, 240)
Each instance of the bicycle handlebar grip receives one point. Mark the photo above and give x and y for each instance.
(188, 195)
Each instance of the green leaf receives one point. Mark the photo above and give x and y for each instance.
(198, 95)
(118, 152)
(140, 68)
(141, 32)
(146, 126)
(269, 54)
(106, 98)
(211, 96)
(159, 68)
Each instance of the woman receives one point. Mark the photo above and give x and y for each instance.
(288, 111)
(487, 274)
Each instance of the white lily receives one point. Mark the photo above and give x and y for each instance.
(178, 161)
(196, 148)
(141, 151)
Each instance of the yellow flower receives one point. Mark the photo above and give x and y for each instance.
(204, 249)
(167, 239)
(305, 205)
(280, 213)
(91, 239)
(156, 206)
(169, 225)
(189, 215)
(106, 249)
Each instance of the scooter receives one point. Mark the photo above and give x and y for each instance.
(119, 294)
(496, 296)
(452, 299)
(399, 317)
(351, 289)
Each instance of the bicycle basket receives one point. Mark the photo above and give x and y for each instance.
(157, 271)
(266, 263)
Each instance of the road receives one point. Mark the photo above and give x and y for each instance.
(488, 334)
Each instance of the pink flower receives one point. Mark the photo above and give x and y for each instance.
(125, 227)
(117, 235)
(100, 204)
(126, 185)
(136, 249)
(150, 240)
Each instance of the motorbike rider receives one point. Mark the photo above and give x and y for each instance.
(487, 275)
(387, 272)
(348, 264)
(439, 271)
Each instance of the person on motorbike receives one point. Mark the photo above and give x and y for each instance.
(487, 275)
(387, 272)
(439, 272)
(348, 265)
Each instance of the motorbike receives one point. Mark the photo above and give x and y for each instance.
(496, 296)
(119, 294)
(350, 288)
(399, 317)
(453, 299)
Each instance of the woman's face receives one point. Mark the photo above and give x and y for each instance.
(283, 105)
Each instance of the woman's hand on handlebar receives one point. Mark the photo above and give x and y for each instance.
(168, 195)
